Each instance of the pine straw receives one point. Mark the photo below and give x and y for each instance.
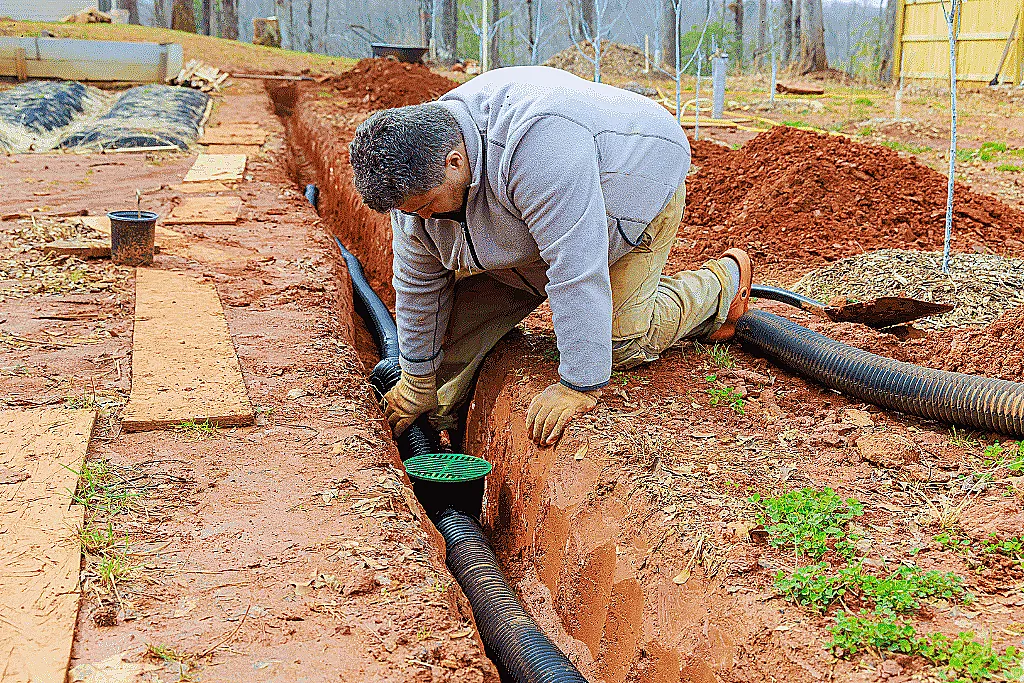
(981, 286)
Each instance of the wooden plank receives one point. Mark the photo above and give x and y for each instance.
(234, 134)
(198, 187)
(184, 366)
(247, 150)
(83, 249)
(41, 454)
(215, 210)
(216, 167)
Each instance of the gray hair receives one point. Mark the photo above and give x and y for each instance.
(400, 153)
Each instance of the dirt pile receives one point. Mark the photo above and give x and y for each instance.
(995, 351)
(791, 194)
(618, 62)
(385, 83)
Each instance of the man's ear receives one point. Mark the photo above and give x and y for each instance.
(456, 159)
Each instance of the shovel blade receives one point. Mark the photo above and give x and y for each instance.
(885, 311)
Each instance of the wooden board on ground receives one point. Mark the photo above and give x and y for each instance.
(248, 150)
(234, 134)
(218, 210)
(199, 187)
(184, 366)
(83, 249)
(41, 454)
(216, 167)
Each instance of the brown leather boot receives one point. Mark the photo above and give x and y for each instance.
(741, 302)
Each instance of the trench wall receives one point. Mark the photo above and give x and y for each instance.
(568, 530)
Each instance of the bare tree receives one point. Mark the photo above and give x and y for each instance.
(786, 19)
(183, 16)
(537, 31)
(601, 33)
(667, 27)
(812, 39)
(495, 22)
(762, 33)
(207, 7)
(737, 14)
(230, 26)
(886, 73)
(447, 31)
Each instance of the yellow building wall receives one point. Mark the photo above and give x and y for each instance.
(922, 40)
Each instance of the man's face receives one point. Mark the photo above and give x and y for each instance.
(449, 195)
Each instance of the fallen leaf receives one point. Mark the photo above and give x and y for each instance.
(682, 577)
(581, 452)
(460, 634)
(296, 393)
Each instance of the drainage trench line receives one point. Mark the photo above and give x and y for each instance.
(512, 639)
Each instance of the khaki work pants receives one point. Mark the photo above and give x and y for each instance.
(650, 312)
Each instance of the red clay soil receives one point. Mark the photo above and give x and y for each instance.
(790, 193)
(385, 83)
(627, 540)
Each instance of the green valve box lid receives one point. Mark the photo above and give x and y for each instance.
(450, 468)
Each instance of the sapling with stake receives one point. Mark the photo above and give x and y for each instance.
(953, 25)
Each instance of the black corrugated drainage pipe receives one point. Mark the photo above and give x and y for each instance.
(512, 638)
(971, 400)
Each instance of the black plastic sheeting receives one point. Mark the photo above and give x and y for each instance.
(43, 106)
(146, 116)
(972, 400)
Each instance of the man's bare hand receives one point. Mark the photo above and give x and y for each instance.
(552, 409)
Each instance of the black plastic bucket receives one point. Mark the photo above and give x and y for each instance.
(132, 234)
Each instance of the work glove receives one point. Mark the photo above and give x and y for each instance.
(551, 410)
(412, 396)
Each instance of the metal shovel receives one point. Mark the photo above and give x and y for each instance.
(885, 311)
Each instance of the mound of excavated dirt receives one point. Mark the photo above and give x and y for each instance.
(794, 194)
(618, 62)
(995, 351)
(385, 83)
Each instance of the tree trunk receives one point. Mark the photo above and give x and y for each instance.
(159, 14)
(133, 10)
(737, 31)
(447, 29)
(230, 27)
(324, 47)
(797, 29)
(495, 7)
(786, 20)
(762, 32)
(887, 71)
(309, 25)
(587, 20)
(207, 16)
(668, 34)
(183, 16)
(531, 22)
(425, 23)
(812, 41)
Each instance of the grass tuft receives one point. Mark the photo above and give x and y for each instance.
(196, 430)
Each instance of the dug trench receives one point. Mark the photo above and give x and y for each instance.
(638, 542)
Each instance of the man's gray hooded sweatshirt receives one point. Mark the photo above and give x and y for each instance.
(567, 174)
